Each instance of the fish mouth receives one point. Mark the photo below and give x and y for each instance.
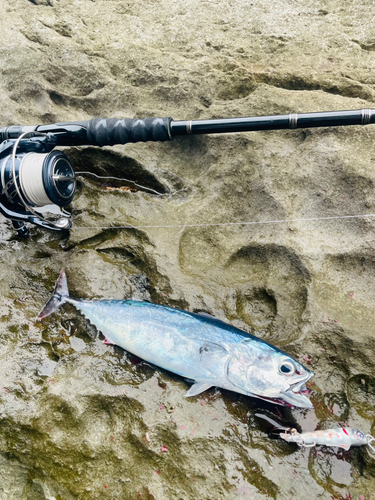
(299, 398)
(297, 393)
(295, 396)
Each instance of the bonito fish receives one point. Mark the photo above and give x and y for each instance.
(197, 347)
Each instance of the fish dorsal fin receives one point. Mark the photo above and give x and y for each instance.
(214, 319)
(197, 388)
(206, 315)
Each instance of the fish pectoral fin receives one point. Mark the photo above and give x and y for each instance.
(197, 388)
(345, 446)
(212, 349)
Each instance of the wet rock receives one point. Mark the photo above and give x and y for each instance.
(82, 420)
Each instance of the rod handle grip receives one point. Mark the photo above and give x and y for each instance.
(108, 132)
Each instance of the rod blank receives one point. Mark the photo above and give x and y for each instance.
(105, 132)
(274, 122)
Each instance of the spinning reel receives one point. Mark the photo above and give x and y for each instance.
(36, 179)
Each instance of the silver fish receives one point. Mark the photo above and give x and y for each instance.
(342, 437)
(197, 347)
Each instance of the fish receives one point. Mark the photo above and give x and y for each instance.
(198, 347)
(341, 437)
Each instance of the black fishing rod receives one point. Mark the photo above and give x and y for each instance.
(36, 179)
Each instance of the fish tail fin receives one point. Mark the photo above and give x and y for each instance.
(60, 294)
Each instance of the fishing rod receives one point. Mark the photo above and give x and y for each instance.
(37, 179)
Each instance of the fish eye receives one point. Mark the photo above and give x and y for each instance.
(360, 435)
(287, 368)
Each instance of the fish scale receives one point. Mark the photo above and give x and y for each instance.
(197, 347)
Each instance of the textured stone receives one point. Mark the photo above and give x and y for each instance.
(81, 420)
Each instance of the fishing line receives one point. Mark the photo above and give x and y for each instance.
(122, 179)
(221, 224)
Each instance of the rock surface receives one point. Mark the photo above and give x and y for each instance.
(82, 420)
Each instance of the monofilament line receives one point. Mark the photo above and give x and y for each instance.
(122, 179)
(221, 224)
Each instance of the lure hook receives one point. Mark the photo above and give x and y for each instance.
(371, 439)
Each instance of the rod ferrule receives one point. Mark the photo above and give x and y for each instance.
(293, 118)
(366, 116)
